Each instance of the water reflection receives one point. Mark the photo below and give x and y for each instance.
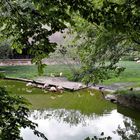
(130, 131)
(77, 121)
(72, 125)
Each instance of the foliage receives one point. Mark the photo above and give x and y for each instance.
(131, 56)
(66, 53)
(29, 24)
(14, 115)
(97, 50)
(112, 32)
(131, 75)
(5, 50)
(113, 25)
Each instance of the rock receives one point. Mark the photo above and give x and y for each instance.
(129, 101)
(29, 84)
(46, 85)
(111, 98)
(40, 86)
(80, 86)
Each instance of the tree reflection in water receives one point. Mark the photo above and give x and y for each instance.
(114, 125)
(130, 131)
(72, 117)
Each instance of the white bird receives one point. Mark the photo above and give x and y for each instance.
(40, 86)
(52, 75)
(60, 74)
(53, 89)
(60, 88)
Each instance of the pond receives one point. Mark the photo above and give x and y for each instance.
(75, 115)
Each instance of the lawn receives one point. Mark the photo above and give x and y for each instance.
(131, 73)
(31, 71)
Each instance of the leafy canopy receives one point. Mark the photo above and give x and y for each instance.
(29, 24)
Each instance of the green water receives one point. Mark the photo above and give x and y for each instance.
(75, 115)
(87, 101)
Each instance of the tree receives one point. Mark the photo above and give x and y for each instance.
(112, 31)
(14, 115)
(30, 24)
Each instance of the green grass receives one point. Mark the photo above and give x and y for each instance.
(129, 93)
(131, 73)
(30, 72)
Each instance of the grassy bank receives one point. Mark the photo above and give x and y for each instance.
(133, 94)
(131, 74)
(31, 71)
